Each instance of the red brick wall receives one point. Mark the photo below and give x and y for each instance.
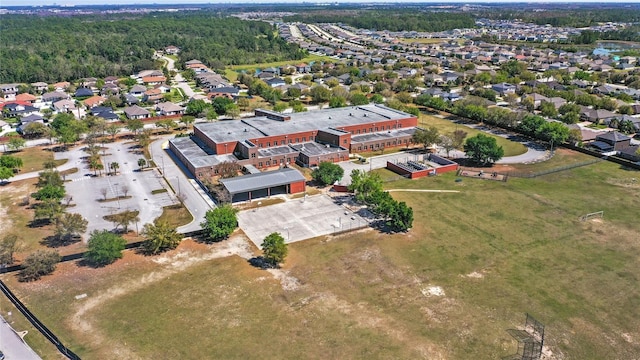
(447, 168)
(381, 125)
(412, 175)
(297, 187)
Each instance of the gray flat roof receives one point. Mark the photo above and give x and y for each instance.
(257, 127)
(278, 150)
(229, 130)
(193, 150)
(390, 134)
(327, 118)
(315, 149)
(262, 180)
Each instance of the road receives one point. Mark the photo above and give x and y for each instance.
(12, 345)
(188, 91)
(197, 200)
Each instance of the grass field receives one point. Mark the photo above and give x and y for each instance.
(445, 126)
(232, 72)
(33, 158)
(473, 264)
(175, 215)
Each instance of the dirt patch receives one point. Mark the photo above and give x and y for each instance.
(432, 291)
(474, 275)
(371, 319)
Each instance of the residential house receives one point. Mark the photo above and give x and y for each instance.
(504, 88)
(611, 141)
(63, 106)
(130, 99)
(26, 97)
(40, 86)
(83, 92)
(53, 96)
(61, 86)
(169, 108)
(303, 68)
(137, 90)
(154, 80)
(15, 109)
(275, 82)
(596, 115)
(26, 120)
(227, 91)
(105, 112)
(94, 101)
(172, 50)
(9, 91)
(153, 96)
(136, 112)
(110, 89)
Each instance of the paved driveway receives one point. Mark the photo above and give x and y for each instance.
(299, 219)
(12, 345)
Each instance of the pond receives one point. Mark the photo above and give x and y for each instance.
(606, 48)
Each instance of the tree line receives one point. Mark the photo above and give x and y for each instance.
(53, 49)
(390, 20)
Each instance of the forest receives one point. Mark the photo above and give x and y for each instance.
(390, 20)
(53, 49)
(579, 15)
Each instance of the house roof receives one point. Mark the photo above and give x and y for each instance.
(31, 118)
(148, 79)
(613, 136)
(135, 110)
(138, 88)
(81, 92)
(25, 97)
(601, 145)
(262, 180)
(94, 100)
(169, 107)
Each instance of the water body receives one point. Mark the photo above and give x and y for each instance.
(606, 48)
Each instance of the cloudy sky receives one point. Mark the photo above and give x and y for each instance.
(89, 2)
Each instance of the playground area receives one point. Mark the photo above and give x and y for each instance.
(481, 174)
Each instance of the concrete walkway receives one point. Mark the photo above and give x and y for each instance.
(13, 347)
(197, 201)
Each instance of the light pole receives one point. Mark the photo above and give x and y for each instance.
(287, 228)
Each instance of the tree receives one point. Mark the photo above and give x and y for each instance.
(104, 193)
(274, 249)
(220, 104)
(16, 143)
(220, 222)
(426, 137)
(160, 237)
(548, 109)
(327, 173)
(232, 111)
(5, 173)
(49, 177)
(553, 132)
(38, 264)
(50, 192)
(104, 248)
(187, 120)
(125, 219)
(570, 118)
(228, 169)
(11, 162)
(280, 107)
(134, 125)
(627, 127)
(320, 94)
(400, 217)
(458, 137)
(483, 149)
(69, 225)
(358, 99)
(142, 163)
(36, 130)
(447, 143)
(363, 184)
(112, 130)
(114, 166)
(166, 124)
(8, 246)
(337, 101)
(49, 209)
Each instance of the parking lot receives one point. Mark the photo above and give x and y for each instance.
(133, 185)
(299, 219)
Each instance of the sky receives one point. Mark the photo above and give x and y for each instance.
(120, 2)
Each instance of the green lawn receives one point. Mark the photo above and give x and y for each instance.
(497, 250)
(232, 72)
(511, 148)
